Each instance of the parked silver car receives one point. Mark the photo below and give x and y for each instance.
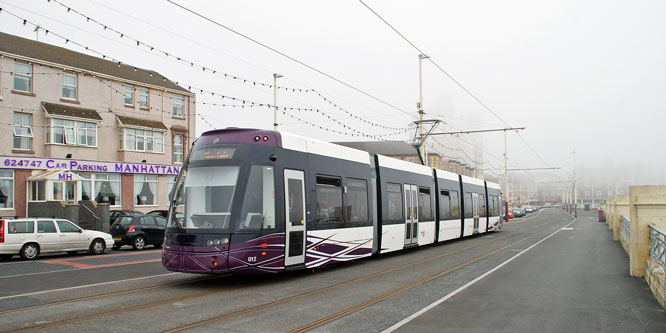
(31, 237)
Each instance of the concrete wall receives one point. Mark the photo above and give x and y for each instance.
(647, 205)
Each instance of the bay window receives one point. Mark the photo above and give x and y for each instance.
(135, 139)
(71, 132)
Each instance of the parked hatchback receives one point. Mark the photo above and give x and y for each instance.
(138, 231)
(31, 237)
(115, 214)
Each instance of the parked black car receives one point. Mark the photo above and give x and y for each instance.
(160, 212)
(114, 214)
(138, 231)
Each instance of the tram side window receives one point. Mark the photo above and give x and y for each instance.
(469, 210)
(394, 202)
(491, 205)
(356, 209)
(482, 197)
(444, 205)
(425, 205)
(455, 205)
(258, 211)
(329, 199)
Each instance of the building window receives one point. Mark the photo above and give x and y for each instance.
(178, 148)
(143, 98)
(178, 103)
(86, 186)
(129, 95)
(22, 77)
(22, 131)
(141, 140)
(69, 86)
(145, 190)
(71, 132)
(6, 189)
(107, 188)
(37, 190)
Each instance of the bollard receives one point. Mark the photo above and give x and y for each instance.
(602, 216)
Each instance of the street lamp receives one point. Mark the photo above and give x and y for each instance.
(275, 77)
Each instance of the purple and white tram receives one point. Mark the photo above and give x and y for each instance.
(253, 201)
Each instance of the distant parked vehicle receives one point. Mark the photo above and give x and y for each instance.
(115, 214)
(528, 209)
(31, 237)
(138, 231)
(517, 212)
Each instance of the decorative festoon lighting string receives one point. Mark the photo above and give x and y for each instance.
(217, 72)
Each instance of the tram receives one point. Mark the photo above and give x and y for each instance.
(251, 201)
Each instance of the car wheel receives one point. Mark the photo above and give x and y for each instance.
(116, 246)
(6, 256)
(97, 246)
(29, 251)
(139, 243)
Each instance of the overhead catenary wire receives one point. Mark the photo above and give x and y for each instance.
(183, 61)
(486, 107)
(358, 132)
(291, 58)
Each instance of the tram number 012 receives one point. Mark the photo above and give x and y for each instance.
(251, 259)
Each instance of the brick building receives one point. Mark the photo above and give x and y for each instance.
(81, 128)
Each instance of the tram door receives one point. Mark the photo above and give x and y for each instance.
(294, 201)
(476, 207)
(411, 215)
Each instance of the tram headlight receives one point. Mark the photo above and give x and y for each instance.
(225, 240)
(209, 242)
(216, 242)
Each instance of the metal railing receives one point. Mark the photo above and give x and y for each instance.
(625, 233)
(657, 255)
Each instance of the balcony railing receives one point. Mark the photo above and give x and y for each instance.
(657, 262)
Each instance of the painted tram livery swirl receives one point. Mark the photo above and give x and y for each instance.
(251, 201)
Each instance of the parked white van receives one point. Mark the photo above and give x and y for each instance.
(29, 237)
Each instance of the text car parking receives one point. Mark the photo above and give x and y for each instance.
(31, 237)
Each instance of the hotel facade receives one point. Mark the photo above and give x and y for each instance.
(79, 128)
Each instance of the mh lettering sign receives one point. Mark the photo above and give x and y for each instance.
(37, 163)
(64, 176)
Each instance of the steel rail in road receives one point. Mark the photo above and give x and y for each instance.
(351, 310)
(392, 293)
(105, 295)
(242, 312)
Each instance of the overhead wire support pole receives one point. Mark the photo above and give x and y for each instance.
(423, 153)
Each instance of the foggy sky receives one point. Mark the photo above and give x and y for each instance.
(586, 75)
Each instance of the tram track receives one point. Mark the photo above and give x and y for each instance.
(171, 300)
(104, 295)
(367, 303)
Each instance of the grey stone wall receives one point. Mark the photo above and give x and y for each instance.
(86, 214)
(94, 216)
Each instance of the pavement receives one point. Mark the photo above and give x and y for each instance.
(575, 281)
